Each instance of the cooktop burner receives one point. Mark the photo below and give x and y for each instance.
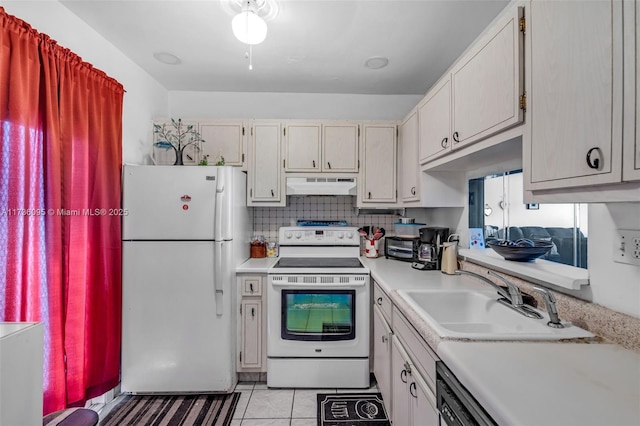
(319, 262)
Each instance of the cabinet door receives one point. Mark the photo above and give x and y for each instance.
(631, 159)
(487, 83)
(251, 285)
(400, 376)
(340, 148)
(251, 347)
(434, 122)
(423, 402)
(574, 93)
(225, 139)
(408, 158)
(265, 168)
(379, 164)
(302, 152)
(382, 356)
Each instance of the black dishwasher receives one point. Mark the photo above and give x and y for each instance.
(456, 405)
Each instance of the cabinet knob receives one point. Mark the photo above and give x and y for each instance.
(444, 142)
(273, 193)
(594, 163)
(253, 312)
(403, 376)
(412, 388)
(379, 301)
(456, 137)
(413, 190)
(251, 287)
(314, 163)
(384, 339)
(329, 164)
(369, 194)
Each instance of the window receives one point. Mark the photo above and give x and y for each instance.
(496, 205)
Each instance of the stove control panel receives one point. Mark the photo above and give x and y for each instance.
(319, 236)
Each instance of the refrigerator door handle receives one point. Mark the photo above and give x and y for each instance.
(218, 275)
(219, 216)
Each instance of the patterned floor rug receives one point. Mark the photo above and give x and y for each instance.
(351, 409)
(173, 410)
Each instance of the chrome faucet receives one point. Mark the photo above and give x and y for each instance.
(550, 303)
(499, 289)
(511, 298)
(514, 291)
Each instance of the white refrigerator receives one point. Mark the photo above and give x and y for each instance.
(185, 230)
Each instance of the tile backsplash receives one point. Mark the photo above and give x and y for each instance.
(267, 220)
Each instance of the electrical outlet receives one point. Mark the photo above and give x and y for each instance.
(627, 248)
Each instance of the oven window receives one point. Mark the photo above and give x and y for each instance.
(318, 315)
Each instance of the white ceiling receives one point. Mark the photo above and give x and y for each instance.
(312, 46)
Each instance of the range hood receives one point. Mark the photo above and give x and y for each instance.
(321, 186)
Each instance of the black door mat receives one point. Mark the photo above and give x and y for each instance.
(351, 409)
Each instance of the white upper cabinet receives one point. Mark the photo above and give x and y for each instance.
(340, 147)
(487, 82)
(224, 138)
(408, 158)
(265, 177)
(575, 94)
(302, 147)
(434, 117)
(378, 175)
(631, 149)
(321, 147)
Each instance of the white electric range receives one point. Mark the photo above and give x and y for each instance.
(318, 310)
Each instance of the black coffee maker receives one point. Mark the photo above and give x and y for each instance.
(430, 249)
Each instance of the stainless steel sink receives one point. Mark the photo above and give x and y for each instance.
(468, 314)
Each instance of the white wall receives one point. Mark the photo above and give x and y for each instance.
(144, 99)
(186, 104)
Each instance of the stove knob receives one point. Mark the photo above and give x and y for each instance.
(340, 235)
(298, 235)
(288, 234)
(350, 235)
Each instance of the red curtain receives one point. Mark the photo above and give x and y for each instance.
(60, 258)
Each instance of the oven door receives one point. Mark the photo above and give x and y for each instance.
(318, 316)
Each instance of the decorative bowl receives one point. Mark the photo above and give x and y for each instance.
(520, 253)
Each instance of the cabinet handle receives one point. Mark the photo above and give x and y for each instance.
(412, 387)
(253, 312)
(413, 190)
(384, 339)
(403, 376)
(369, 194)
(272, 193)
(314, 163)
(594, 163)
(329, 164)
(379, 301)
(251, 287)
(456, 137)
(444, 142)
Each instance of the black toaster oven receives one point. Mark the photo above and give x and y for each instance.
(401, 248)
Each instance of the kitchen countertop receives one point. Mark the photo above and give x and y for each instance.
(549, 384)
(257, 265)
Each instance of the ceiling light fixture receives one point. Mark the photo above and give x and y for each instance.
(249, 28)
(167, 58)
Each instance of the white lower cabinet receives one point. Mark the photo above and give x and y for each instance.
(404, 367)
(382, 356)
(252, 323)
(413, 403)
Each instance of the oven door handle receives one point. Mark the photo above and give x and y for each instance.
(319, 285)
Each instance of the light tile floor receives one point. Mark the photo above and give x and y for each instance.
(261, 406)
